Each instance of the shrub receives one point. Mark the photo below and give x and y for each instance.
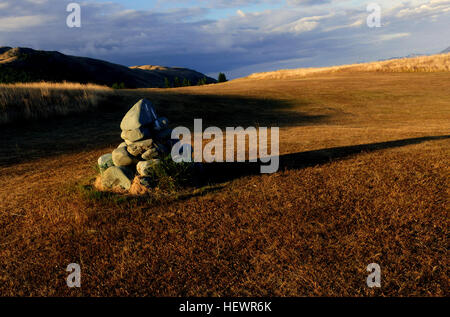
(222, 78)
(202, 81)
(169, 175)
(176, 82)
(167, 83)
(186, 82)
(118, 86)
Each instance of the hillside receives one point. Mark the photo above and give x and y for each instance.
(172, 72)
(28, 65)
(433, 63)
(363, 179)
(447, 50)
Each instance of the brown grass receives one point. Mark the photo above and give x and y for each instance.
(364, 178)
(31, 101)
(427, 64)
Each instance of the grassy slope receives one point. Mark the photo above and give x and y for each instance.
(28, 65)
(310, 229)
(427, 64)
(38, 101)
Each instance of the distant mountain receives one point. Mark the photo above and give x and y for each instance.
(447, 50)
(28, 65)
(400, 57)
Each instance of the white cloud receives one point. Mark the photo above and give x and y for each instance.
(240, 13)
(434, 6)
(307, 2)
(297, 27)
(310, 35)
(16, 23)
(389, 37)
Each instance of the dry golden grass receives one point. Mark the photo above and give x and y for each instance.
(364, 178)
(427, 64)
(28, 101)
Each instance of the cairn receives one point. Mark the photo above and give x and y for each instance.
(147, 140)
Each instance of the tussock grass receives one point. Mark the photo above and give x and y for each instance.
(309, 230)
(427, 64)
(30, 101)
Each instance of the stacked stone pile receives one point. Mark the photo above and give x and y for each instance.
(147, 140)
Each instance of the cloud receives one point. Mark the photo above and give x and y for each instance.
(16, 23)
(288, 36)
(307, 2)
(388, 37)
(240, 13)
(431, 7)
(301, 25)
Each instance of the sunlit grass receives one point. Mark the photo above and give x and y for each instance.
(27, 101)
(427, 64)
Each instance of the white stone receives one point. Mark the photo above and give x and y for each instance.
(145, 168)
(141, 114)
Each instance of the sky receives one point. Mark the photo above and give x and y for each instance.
(238, 37)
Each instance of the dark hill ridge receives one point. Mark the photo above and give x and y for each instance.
(447, 50)
(172, 72)
(29, 65)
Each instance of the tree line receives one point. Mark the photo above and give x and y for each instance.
(177, 82)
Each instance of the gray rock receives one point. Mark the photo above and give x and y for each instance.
(117, 176)
(160, 123)
(150, 154)
(139, 147)
(131, 136)
(121, 157)
(145, 168)
(141, 114)
(105, 161)
(123, 144)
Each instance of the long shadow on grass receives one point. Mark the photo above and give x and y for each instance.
(222, 172)
(215, 174)
(100, 128)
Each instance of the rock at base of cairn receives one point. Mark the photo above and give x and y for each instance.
(146, 168)
(105, 161)
(117, 177)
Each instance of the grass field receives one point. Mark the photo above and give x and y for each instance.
(37, 101)
(421, 64)
(364, 178)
